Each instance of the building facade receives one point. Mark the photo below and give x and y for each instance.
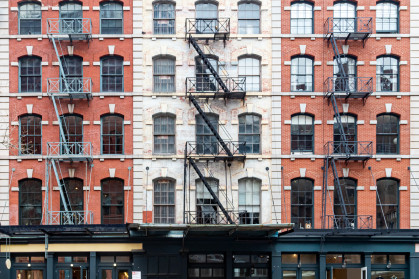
(209, 139)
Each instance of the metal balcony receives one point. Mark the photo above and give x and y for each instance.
(207, 87)
(348, 87)
(70, 217)
(349, 150)
(74, 88)
(70, 151)
(205, 28)
(215, 151)
(70, 28)
(210, 215)
(341, 222)
(358, 28)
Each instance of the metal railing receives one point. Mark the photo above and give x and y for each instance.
(207, 26)
(348, 85)
(69, 85)
(209, 84)
(348, 25)
(215, 148)
(69, 26)
(69, 149)
(352, 148)
(362, 222)
(212, 216)
(70, 217)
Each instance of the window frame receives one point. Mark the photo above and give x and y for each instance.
(168, 58)
(312, 16)
(168, 115)
(247, 2)
(102, 59)
(255, 57)
(388, 18)
(66, 2)
(112, 205)
(65, 128)
(355, 204)
(305, 205)
(214, 183)
(250, 219)
(39, 184)
(389, 134)
(67, 193)
(21, 4)
(20, 72)
(244, 115)
(313, 134)
(167, 2)
(213, 143)
(397, 181)
(355, 117)
(310, 58)
(20, 133)
(121, 4)
(101, 133)
(379, 75)
(171, 182)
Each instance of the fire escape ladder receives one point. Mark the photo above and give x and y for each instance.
(215, 197)
(210, 126)
(339, 190)
(324, 191)
(63, 193)
(207, 63)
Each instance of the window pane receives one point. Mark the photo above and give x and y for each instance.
(30, 74)
(302, 75)
(387, 134)
(387, 74)
(379, 259)
(289, 258)
(387, 203)
(249, 134)
(164, 18)
(384, 274)
(112, 74)
(164, 75)
(302, 133)
(308, 258)
(30, 19)
(348, 189)
(302, 202)
(111, 15)
(301, 18)
(387, 18)
(249, 68)
(249, 18)
(30, 202)
(334, 259)
(164, 135)
(112, 201)
(30, 135)
(206, 142)
(249, 200)
(164, 201)
(112, 134)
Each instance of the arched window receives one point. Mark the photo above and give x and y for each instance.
(164, 134)
(30, 134)
(111, 17)
(30, 74)
(205, 81)
(387, 18)
(206, 14)
(387, 203)
(302, 133)
(112, 134)
(73, 127)
(30, 16)
(302, 201)
(344, 17)
(348, 189)
(302, 73)
(387, 74)
(350, 129)
(112, 74)
(164, 18)
(388, 133)
(206, 142)
(73, 70)
(206, 206)
(30, 202)
(164, 201)
(302, 18)
(74, 199)
(164, 74)
(249, 18)
(71, 14)
(113, 201)
(249, 200)
(249, 67)
(249, 132)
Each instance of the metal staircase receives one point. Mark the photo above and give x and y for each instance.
(343, 86)
(66, 30)
(216, 86)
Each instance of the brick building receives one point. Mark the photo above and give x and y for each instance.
(209, 139)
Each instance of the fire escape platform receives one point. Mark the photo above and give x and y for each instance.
(215, 152)
(349, 151)
(348, 29)
(70, 29)
(70, 151)
(348, 87)
(208, 28)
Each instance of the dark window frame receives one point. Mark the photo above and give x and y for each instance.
(253, 217)
(297, 75)
(378, 207)
(397, 4)
(304, 135)
(70, 193)
(103, 205)
(170, 189)
(37, 82)
(169, 71)
(382, 74)
(241, 20)
(304, 205)
(108, 19)
(336, 201)
(36, 135)
(205, 215)
(31, 192)
(254, 135)
(388, 134)
(116, 135)
(114, 76)
(295, 3)
(167, 133)
(350, 137)
(157, 17)
(20, 6)
(205, 81)
(206, 142)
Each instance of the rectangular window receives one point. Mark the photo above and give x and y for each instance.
(249, 68)
(164, 75)
(301, 18)
(387, 17)
(112, 134)
(112, 201)
(249, 133)
(249, 201)
(111, 18)
(30, 74)
(30, 131)
(254, 266)
(164, 202)
(112, 71)
(164, 135)
(30, 19)
(164, 18)
(249, 18)
(206, 266)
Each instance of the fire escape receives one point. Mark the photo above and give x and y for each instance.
(216, 86)
(68, 30)
(344, 86)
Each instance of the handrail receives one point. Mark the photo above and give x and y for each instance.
(353, 148)
(215, 148)
(207, 25)
(72, 149)
(209, 84)
(210, 214)
(348, 85)
(69, 26)
(348, 25)
(70, 217)
(362, 222)
(69, 85)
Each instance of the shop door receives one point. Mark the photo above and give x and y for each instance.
(114, 273)
(79, 272)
